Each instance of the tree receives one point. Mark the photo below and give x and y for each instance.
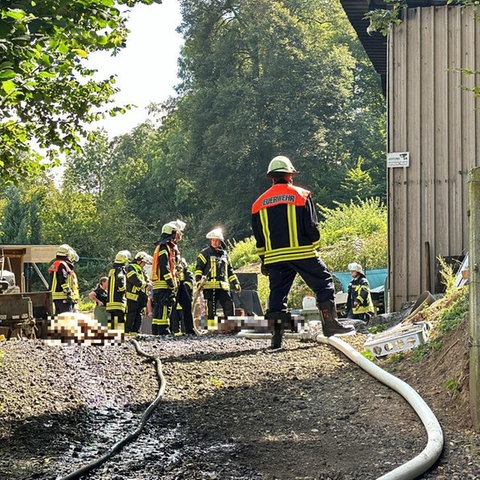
(47, 93)
(358, 183)
(266, 77)
(14, 223)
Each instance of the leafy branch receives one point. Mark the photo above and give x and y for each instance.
(381, 19)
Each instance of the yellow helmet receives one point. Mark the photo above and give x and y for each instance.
(123, 256)
(63, 250)
(215, 233)
(280, 164)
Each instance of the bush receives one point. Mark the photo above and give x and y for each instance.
(243, 253)
(354, 232)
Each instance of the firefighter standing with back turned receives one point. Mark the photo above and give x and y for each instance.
(117, 287)
(215, 272)
(285, 226)
(164, 275)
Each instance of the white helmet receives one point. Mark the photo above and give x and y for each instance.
(171, 227)
(73, 255)
(180, 225)
(280, 164)
(123, 256)
(63, 250)
(143, 257)
(355, 267)
(215, 233)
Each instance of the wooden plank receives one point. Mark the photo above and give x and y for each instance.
(30, 253)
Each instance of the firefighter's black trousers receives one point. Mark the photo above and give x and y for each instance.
(215, 296)
(313, 271)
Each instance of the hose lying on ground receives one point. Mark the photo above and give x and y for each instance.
(432, 451)
(430, 454)
(132, 436)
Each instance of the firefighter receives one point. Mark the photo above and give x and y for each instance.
(285, 227)
(63, 280)
(181, 320)
(359, 300)
(164, 275)
(214, 273)
(117, 287)
(137, 291)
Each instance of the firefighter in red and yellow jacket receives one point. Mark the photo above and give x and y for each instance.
(63, 280)
(285, 226)
(164, 275)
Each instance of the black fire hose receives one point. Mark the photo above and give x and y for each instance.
(132, 436)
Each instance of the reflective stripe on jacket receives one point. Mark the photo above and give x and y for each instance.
(60, 280)
(215, 265)
(285, 224)
(164, 263)
(359, 291)
(136, 282)
(117, 285)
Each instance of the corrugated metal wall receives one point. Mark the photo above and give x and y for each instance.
(432, 116)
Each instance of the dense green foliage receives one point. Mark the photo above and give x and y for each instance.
(258, 78)
(355, 232)
(47, 92)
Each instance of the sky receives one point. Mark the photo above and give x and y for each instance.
(146, 69)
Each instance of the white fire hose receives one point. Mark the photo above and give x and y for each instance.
(432, 451)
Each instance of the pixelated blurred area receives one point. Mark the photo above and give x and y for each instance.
(78, 328)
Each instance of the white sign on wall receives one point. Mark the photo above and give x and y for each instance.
(398, 159)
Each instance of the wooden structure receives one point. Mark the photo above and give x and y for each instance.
(17, 257)
(25, 308)
(432, 116)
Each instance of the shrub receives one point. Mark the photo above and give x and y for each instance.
(354, 232)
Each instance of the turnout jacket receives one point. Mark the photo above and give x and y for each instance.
(117, 286)
(164, 263)
(285, 224)
(216, 267)
(136, 284)
(359, 291)
(63, 281)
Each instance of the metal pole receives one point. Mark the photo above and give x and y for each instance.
(474, 282)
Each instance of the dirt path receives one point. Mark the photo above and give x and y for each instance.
(231, 410)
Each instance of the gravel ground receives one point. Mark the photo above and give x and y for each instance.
(232, 409)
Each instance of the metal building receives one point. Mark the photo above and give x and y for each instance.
(433, 136)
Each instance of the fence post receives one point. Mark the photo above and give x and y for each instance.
(474, 279)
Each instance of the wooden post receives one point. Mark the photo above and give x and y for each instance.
(474, 282)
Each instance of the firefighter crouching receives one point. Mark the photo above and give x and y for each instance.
(137, 291)
(117, 287)
(164, 275)
(215, 272)
(63, 280)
